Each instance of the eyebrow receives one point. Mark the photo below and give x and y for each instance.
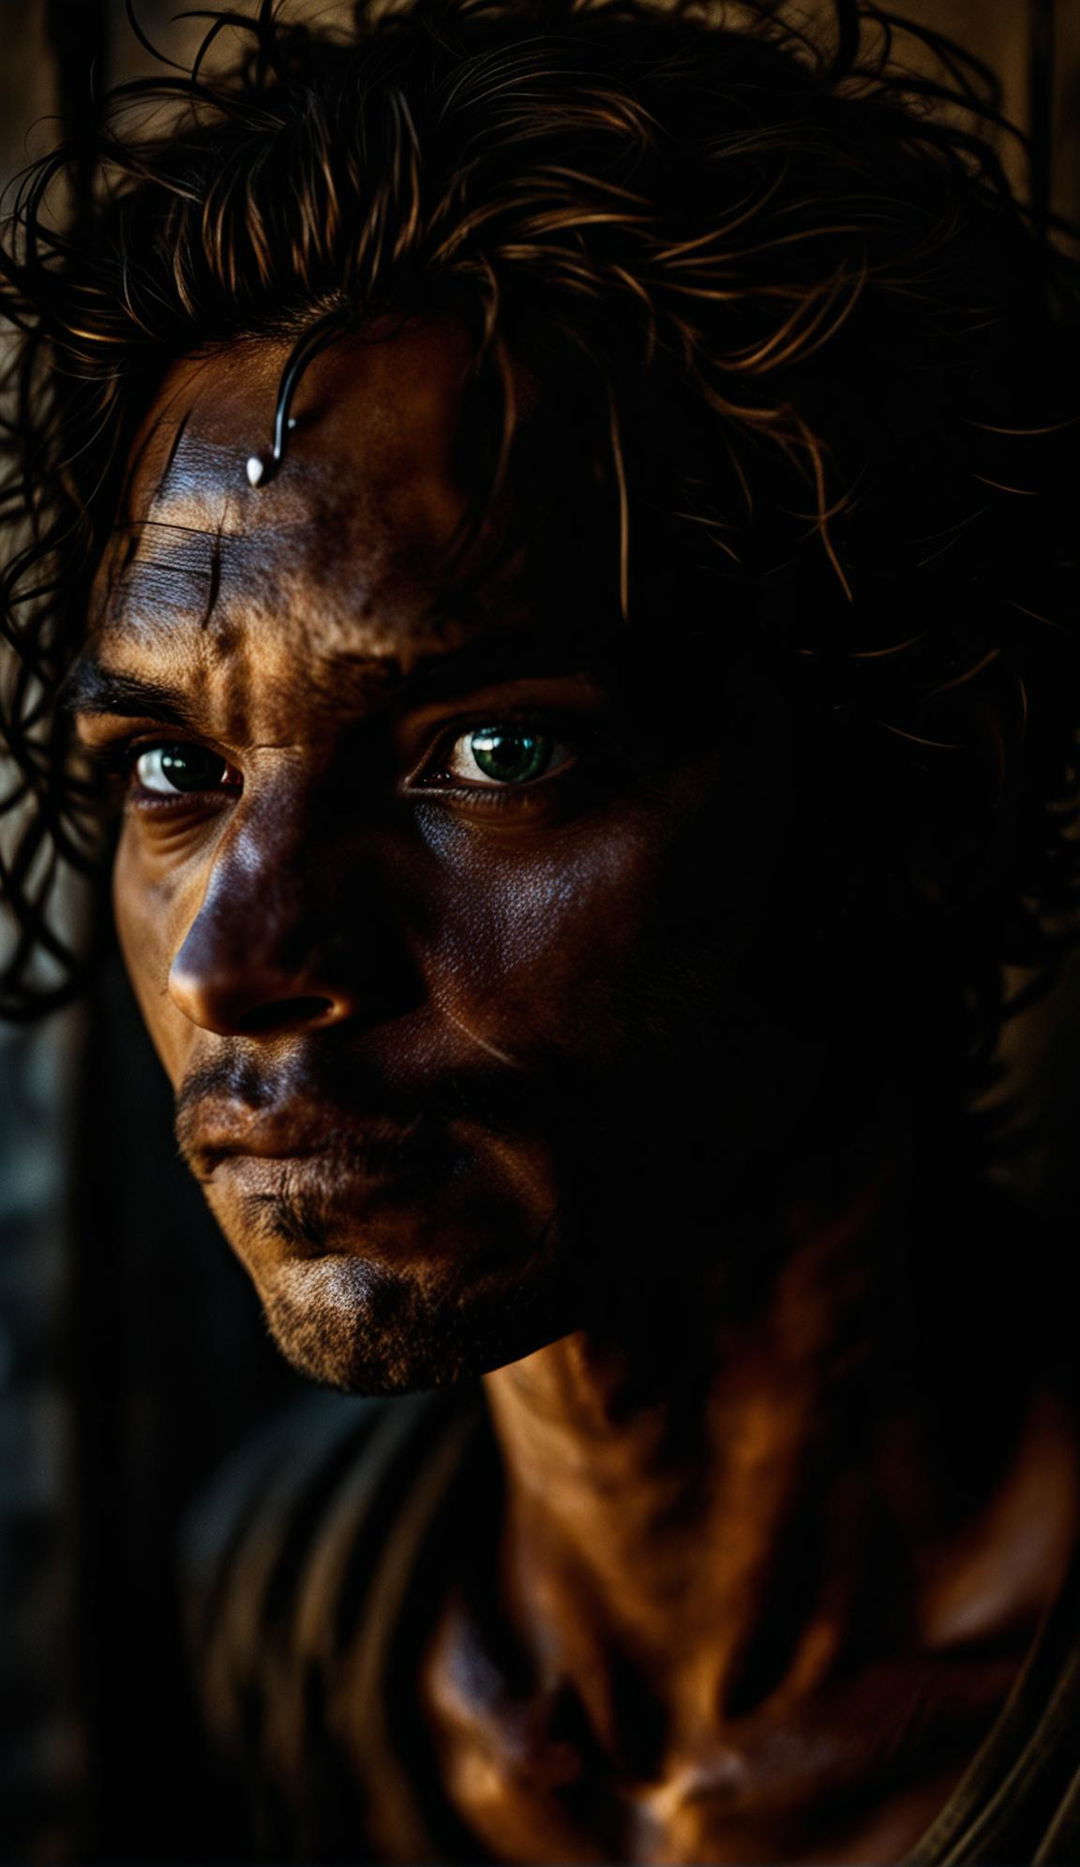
(90, 688)
(93, 688)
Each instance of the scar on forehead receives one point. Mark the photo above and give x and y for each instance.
(174, 449)
(144, 447)
(171, 465)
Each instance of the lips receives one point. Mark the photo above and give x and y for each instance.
(306, 1187)
(211, 1136)
(356, 1119)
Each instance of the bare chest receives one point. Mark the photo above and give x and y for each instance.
(856, 1774)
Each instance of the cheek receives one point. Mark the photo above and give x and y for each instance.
(541, 943)
(153, 904)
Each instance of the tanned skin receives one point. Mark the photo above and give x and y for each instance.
(477, 1079)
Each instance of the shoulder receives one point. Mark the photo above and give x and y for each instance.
(297, 1563)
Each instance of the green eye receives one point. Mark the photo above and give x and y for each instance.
(503, 755)
(175, 770)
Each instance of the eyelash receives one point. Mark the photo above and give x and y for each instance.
(574, 731)
(119, 758)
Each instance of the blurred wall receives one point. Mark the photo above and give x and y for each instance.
(38, 1739)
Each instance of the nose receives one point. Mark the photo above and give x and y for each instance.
(269, 953)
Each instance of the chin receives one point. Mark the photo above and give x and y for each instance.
(371, 1329)
(387, 1288)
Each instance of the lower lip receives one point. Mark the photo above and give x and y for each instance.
(331, 1176)
(320, 1205)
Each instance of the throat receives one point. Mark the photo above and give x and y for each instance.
(736, 1571)
(720, 1547)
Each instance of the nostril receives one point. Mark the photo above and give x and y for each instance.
(286, 1014)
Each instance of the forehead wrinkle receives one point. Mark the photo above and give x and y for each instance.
(205, 483)
(275, 686)
(160, 545)
(166, 567)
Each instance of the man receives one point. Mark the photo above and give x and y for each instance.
(556, 522)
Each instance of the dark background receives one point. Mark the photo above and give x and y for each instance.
(132, 1355)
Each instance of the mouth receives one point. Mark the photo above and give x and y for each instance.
(337, 1160)
(306, 1195)
(376, 1152)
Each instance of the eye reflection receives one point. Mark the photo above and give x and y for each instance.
(504, 755)
(178, 770)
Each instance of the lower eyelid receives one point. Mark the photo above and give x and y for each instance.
(494, 796)
(444, 779)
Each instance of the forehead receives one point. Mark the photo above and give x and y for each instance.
(339, 553)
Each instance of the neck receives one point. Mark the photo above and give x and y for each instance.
(714, 1493)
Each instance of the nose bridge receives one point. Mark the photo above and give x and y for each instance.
(264, 943)
(263, 885)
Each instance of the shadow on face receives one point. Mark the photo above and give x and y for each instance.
(439, 912)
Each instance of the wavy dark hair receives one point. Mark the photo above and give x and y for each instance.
(794, 333)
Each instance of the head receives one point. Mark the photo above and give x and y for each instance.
(615, 735)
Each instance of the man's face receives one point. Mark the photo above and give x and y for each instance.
(432, 916)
